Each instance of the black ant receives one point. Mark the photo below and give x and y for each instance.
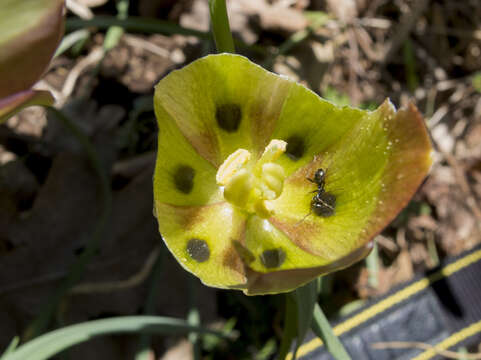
(323, 203)
(319, 180)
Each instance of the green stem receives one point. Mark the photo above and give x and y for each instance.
(193, 318)
(220, 26)
(322, 328)
(114, 33)
(372, 263)
(41, 323)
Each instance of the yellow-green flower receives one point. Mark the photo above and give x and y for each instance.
(236, 194)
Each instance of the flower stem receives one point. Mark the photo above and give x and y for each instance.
(321, 327)
(220, 26)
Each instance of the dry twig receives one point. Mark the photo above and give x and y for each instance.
(93, 58)
(407, 23)
(464, 185)
(134, 280)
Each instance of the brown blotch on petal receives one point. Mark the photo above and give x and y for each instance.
(198, 250)
(300, 233)
(246, 255)
(228, 117)
(232, 260)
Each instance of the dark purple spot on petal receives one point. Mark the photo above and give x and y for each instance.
(228, 117)
(295, 147)
(198, 250)
(184, 178)
(273, 258)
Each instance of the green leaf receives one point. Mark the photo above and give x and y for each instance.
(476, 81)
(11, 105)
(56, 341)
(237, 147)
(290, 326)
(71, 40)
(322, 328)
(30, 30)
(306, 299)
(267, 350)
(11, 347)
(115, 33)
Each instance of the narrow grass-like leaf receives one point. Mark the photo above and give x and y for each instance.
(193, 318)
(211, 341)
(220, 26)
(70, 40)
(322, 328)
(267, 350)
(290, 326)
(349, 308)
(306, 299)
(11, 347)
(56, 341)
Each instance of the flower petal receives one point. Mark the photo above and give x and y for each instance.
(372, 171)
(372, 164)
(12, 104)
(222, 103)
(30, 30)
(202, 239)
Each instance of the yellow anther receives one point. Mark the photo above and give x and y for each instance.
(248, 185)
(234, 162)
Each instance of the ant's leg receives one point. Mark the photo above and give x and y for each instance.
(325, 203)
(302, 220)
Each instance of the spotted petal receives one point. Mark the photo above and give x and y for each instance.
(279, 229)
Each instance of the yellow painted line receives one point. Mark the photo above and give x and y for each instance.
(390, 301)
(452, 340)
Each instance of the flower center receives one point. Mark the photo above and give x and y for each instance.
(249, 185)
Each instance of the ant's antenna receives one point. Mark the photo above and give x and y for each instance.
(302, 220)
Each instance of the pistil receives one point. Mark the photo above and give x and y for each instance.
(250, 185)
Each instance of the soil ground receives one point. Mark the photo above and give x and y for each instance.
(354, 52)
